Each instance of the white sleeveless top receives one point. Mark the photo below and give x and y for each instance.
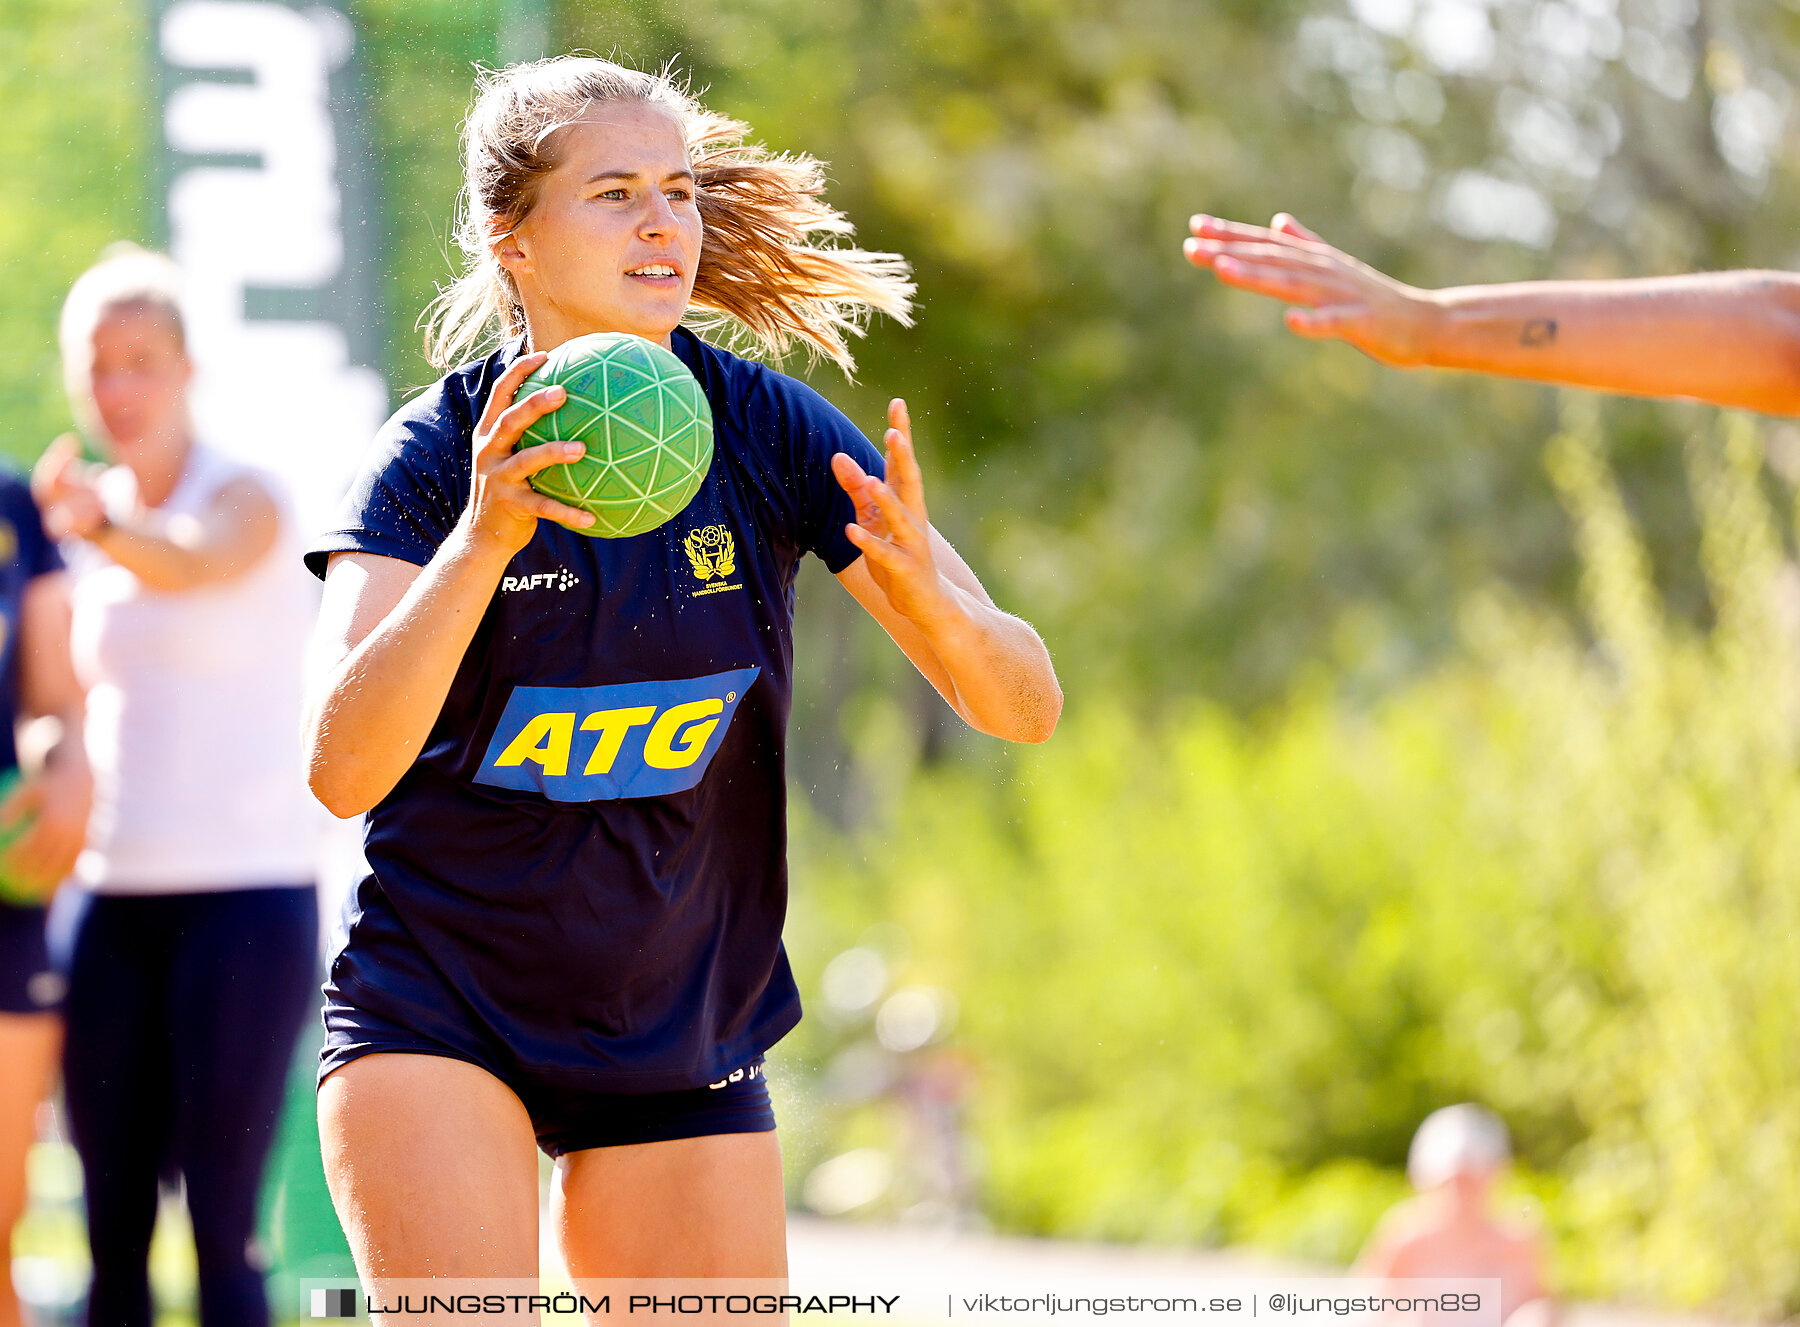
(193, 711)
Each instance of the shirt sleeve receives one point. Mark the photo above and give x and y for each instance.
(38, 553)
(412, 488)
(812, 431)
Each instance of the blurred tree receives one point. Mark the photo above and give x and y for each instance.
(73, 154)
(1213, 972)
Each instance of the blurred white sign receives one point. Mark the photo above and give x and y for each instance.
(257, 215)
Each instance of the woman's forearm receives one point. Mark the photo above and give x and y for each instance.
(1728, 338)
(144, 548)
(175, 553)
(391, 636)
(999, 671)
(375, 706)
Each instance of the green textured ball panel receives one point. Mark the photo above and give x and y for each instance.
(646, 423)
(12, 891)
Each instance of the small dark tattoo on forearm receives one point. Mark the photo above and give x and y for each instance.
(1538, 332)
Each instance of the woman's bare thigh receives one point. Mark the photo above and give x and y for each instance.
(692, 1207)
(432, 1164)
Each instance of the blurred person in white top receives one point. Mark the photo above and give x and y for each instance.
(192, 962)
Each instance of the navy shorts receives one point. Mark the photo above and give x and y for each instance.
(566, 1118)
(28, 983)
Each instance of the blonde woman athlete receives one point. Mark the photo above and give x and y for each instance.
(570, 749)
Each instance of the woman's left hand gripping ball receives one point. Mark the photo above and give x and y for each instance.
(891, 526)
(503, 506)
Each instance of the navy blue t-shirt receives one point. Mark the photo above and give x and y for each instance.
(25, 552)
(590, 850)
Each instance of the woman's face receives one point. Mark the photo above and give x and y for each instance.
(139, 377)
(614, 239)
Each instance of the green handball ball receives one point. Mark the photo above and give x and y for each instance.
(646, 423)
(11, 891)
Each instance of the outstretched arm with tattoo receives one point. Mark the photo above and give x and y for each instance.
(1727, 338)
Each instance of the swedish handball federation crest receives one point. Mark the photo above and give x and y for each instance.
(712, 552)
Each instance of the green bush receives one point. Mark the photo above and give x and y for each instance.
(72, 85)
(1214, 971)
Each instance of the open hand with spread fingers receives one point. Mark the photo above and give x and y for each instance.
(990, 666)
(1727, 338)
(892, 528)
(1331, 295)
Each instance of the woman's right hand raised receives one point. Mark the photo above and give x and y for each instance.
(503, 507)
(66, 490)
(1331, 294)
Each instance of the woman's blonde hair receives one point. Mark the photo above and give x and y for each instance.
(759, 274)
(127, 276)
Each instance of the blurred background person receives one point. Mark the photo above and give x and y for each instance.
(193, 956)
(1455, 1160)
(1725, 338)
(43, 817)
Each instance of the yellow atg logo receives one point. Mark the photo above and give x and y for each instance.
(628, 739)
(712, 553)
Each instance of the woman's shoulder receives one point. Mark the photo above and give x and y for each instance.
(447, 410)
(755, 397)
(414, 479)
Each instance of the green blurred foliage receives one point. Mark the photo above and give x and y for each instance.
(73, 155)
(419, 63)
(1214, 972)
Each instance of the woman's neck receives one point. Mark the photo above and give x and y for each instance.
(550, 328)
(158, 466)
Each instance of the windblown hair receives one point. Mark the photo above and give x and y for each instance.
(760, 276)
(125, 277)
